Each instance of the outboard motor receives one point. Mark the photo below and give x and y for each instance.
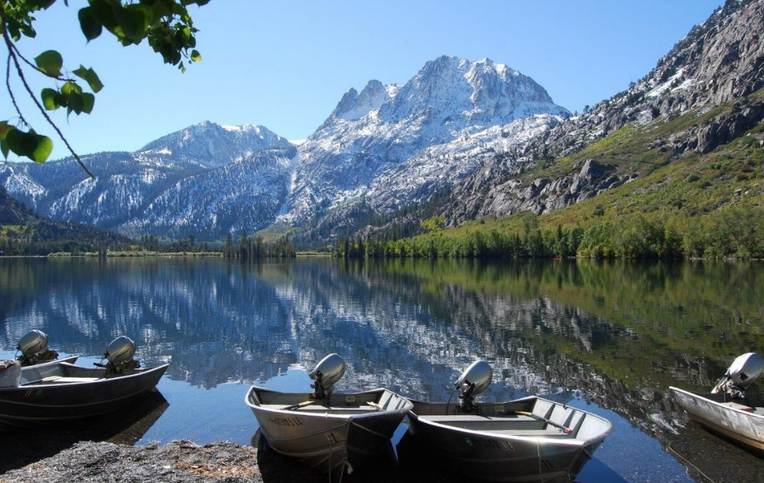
(119, 355)
(34, 349)
(474, 380)
(742, 373)
(327, 372)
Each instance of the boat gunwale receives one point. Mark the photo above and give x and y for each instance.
(716, 403)
(328, 414)
(99, 381)
(536, 439)
(68, 360)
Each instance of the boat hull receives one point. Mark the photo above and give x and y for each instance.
(330, 443)
(42, 404)
(481, 455)
(743, 427)
(497, 459)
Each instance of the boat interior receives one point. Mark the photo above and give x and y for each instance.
(60, 373)
(751, 404)
(337, 403)
(741, 406)
(526, 418)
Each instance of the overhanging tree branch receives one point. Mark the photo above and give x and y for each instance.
(10, 91)
(19, 71)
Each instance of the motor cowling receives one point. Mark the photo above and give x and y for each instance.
(743, 372)
(34, 348)
(119, 355)
(327, 372)
(474, 380)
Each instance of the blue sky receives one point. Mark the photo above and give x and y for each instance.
(285, 64)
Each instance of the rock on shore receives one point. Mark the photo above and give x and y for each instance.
(178, 461)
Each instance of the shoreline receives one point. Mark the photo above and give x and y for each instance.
(64, 255)
(184, 461)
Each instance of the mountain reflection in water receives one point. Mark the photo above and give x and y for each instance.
(613, 335)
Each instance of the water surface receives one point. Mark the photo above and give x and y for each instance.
(606, 337)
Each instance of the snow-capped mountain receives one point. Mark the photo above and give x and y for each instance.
(383, 148)
(240, 197)
(212, 145)
(393, 133)
(205, 180)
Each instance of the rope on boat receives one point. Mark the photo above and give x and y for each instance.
(690, 463)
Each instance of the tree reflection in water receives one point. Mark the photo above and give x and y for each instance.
(616, 334)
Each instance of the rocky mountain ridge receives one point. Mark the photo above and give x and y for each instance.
(718, 63)
(467, 139)
(385, 147)
(202, 181)
(388, 147)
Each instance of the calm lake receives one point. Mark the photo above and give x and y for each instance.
(606, 337)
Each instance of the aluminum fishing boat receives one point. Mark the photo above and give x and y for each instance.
(527, 439)
(726, 410)
(333, 432)
(59, 391)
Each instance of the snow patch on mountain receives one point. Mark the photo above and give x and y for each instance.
(213, 145)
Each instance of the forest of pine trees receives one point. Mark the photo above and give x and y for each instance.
(252, 248)
(730, 232)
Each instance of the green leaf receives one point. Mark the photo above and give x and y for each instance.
(17, 142)
(70, 88)
(50, 99)
(50, 62)
(132, 22)
(103, 11)
(74, 103)
(196, 56)
(43, 148)
(89, 76)
(91, 27)
(28, 144)
(4, 148)
(40, 4)
(5, 128)
(22, 143)
(88, 101)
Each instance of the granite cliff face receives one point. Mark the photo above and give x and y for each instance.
(389, 147)
(719, 63)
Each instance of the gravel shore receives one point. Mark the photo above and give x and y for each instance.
(177, 462)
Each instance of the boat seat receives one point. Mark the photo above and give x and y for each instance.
(452, 418)
(66, 380)
(484, 423)
(547, 433)
(322, 409)
(561, 415)
(543, 408)
(384, 399)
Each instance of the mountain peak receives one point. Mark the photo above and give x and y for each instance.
(481, 91)
(212, 144)
(355, 105)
